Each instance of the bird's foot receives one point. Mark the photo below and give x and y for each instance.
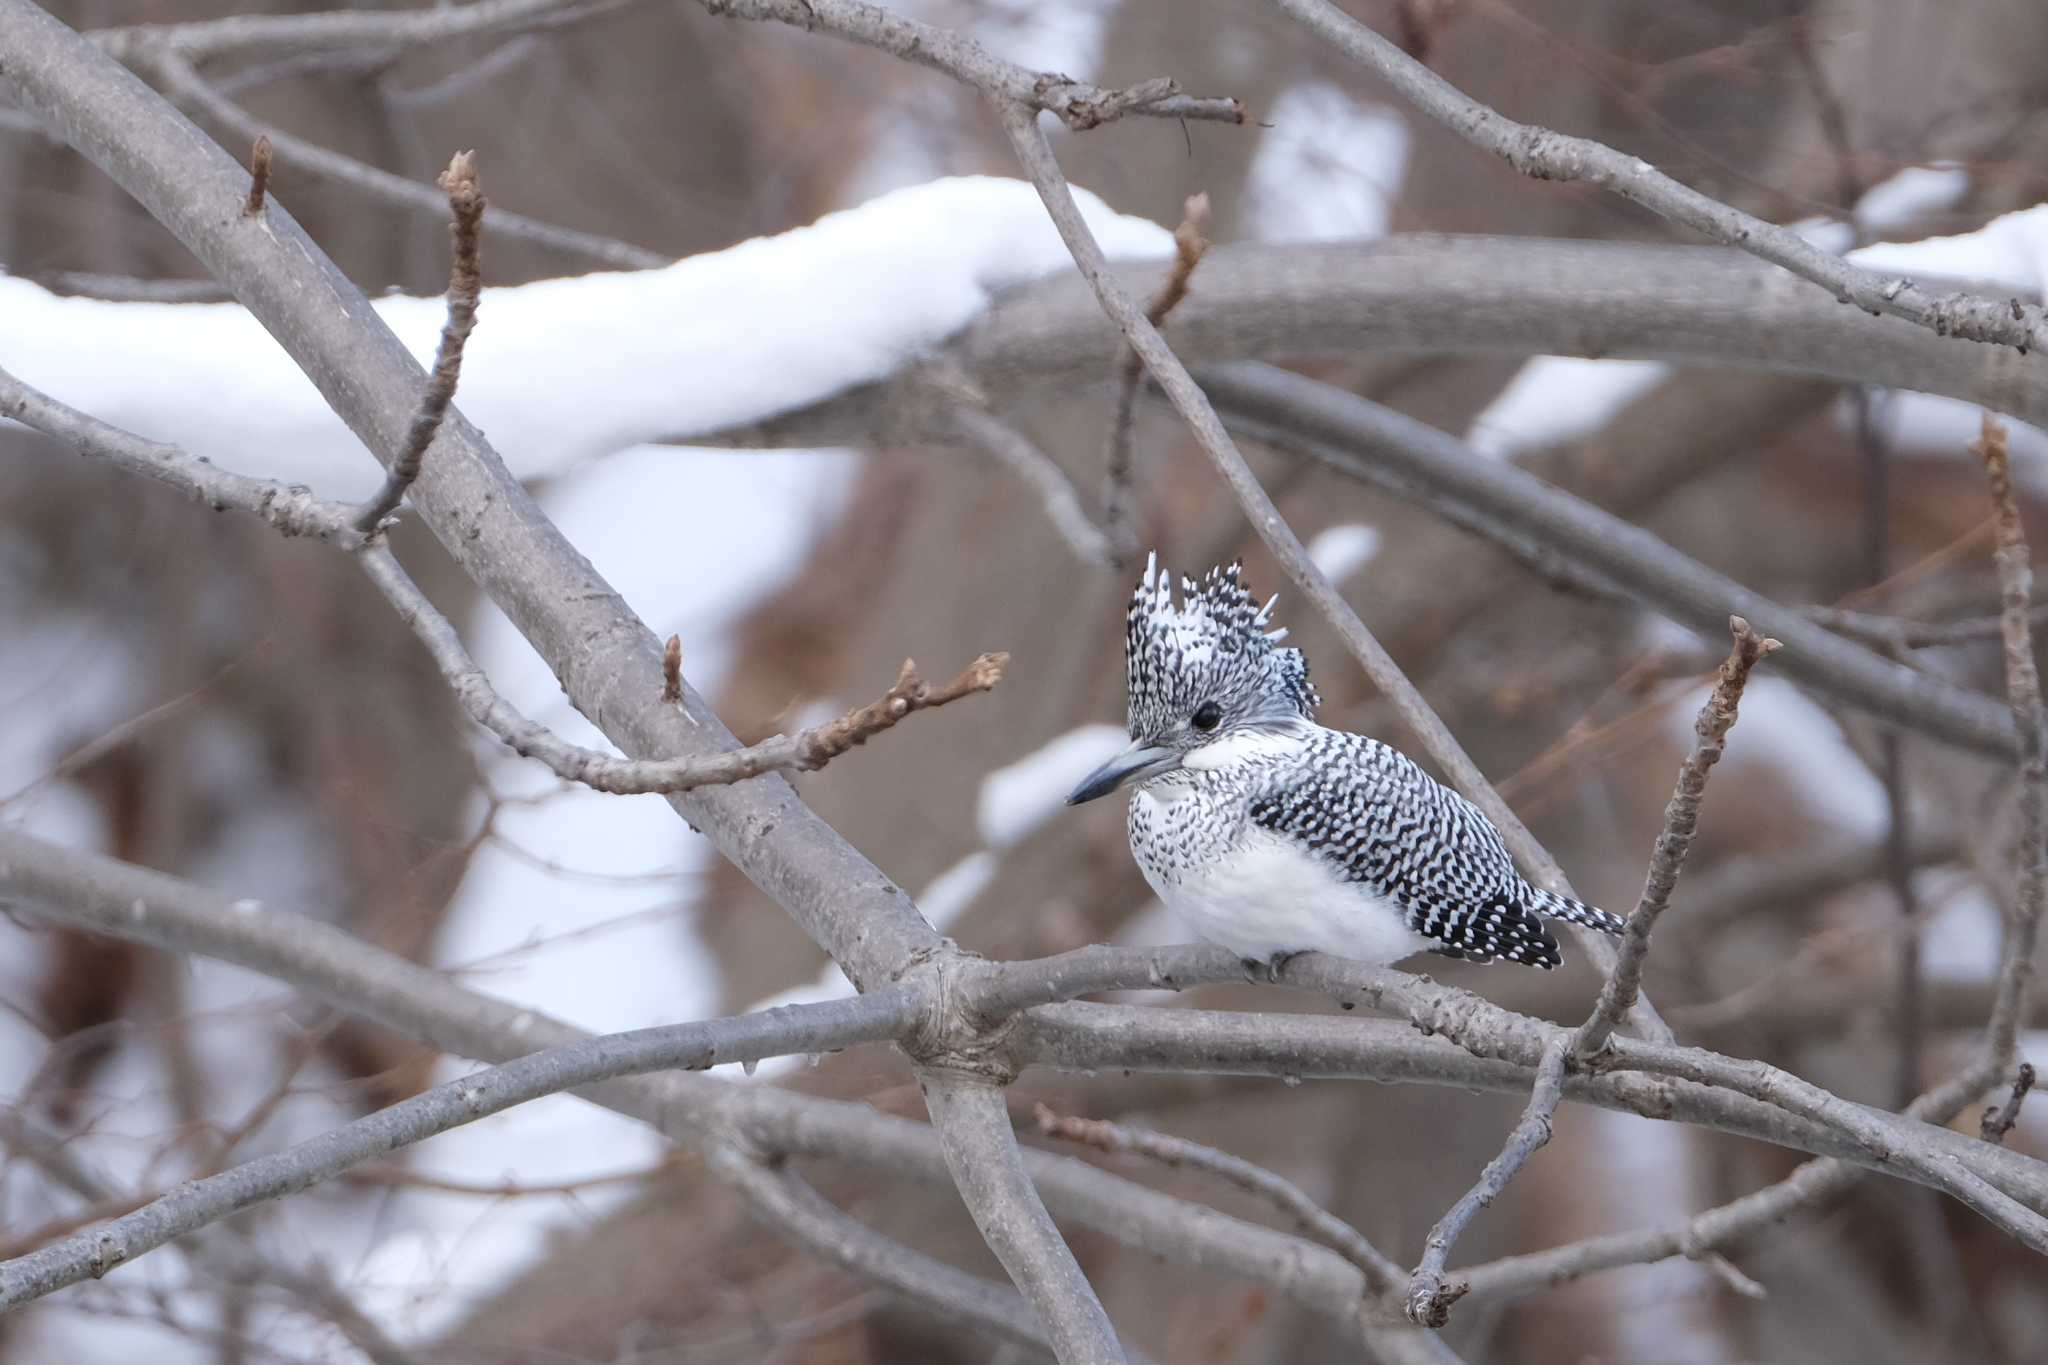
(1267, 971)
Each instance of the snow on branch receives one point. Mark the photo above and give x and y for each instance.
(647, 355)
(1546, 155)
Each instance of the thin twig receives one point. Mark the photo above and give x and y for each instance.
(1999, 1119)
(1674, 841)
(1283, 1194)
(1429, 1299)
(1897, 633)
(1189, 248)
(804, 751)
(2023, 691)
(1419, 464)
(292, 510)
(305, 157)
(1546, 155)
(259, 177)
(969, 415)
(465, 287)
(1909, 992)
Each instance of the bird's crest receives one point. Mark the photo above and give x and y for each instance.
(1213, 645)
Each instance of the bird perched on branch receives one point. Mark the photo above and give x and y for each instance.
(1272, 835)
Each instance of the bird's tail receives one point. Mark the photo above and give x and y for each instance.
(1550, 905)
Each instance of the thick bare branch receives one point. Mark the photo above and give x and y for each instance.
(1418, 463)
(95, 1251)
(102, 894)
(465, 286)
(981, 1150)
(1429, 292)
(1547, 155)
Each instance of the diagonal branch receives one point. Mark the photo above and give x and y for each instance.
(1674, 841)
(1546, 155)
(294, 510)
(290, 510)
(1419, 464)
(1428, 1300)
(804, 751)
(1283, 1194)
(981, 1150)
(2023, 692)
(94, 1251)
(1429, 1297)
(1189, 247)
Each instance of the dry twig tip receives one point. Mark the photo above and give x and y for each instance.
(1999, 1118)
(259, 177)
(465, 288)
(672, 670)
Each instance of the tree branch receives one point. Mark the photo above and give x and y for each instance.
(182, 81)
(1189, 248)
(2000, 1118)
(1420, 464)
(1674, 842)
(196, 1204)
(1428, 292)
(1546, 155)
(465, 286)
(981, 1151)
(292, 511)
(1429, 1299)
(2023, 692)
(1289, 1198)
(804, 751)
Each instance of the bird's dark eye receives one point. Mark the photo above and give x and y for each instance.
(1208, 716)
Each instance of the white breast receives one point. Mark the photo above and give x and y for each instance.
(1266, 895)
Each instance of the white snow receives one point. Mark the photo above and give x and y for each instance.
(562, 371)
(1017, 799)
(1328, 168)
(1341, 551)
(1557, 398)
(1914, 193)
(953, 890)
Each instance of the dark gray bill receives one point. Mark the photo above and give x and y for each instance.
(1134, 764)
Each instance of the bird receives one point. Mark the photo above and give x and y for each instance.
(1272, 835)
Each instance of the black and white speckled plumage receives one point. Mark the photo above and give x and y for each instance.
(1273, 829)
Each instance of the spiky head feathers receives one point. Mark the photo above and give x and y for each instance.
(1211, 650)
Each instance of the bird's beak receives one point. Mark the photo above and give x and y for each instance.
(1134, 764)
